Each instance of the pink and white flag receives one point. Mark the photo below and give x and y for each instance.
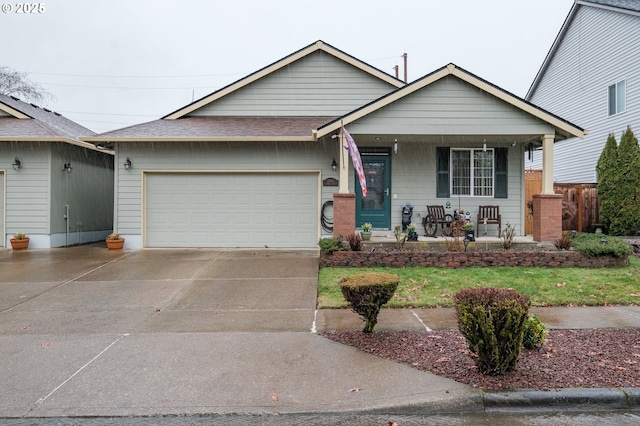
(356, 160)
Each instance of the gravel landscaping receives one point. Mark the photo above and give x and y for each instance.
(585, 358)
(600, 358)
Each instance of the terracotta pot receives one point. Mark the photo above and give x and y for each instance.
(115, 244)
(22, 244)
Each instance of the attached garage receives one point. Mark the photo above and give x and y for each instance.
(2, 214)
(244, 209)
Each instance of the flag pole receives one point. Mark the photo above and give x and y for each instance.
(344, 174)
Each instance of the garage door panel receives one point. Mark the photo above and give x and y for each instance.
(231, 210)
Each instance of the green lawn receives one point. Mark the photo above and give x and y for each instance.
(433, 287)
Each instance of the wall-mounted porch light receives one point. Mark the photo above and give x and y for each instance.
(127, 164)
(67, 167)
(17, 164)
(334, 165)
(395, 146)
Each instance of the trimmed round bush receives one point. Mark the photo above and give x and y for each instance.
(366, 293)
(492, 320)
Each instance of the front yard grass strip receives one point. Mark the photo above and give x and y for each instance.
(434, 287)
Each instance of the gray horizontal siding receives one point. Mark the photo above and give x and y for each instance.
(600, 48)
(413, 173)
(316, 85)
(27, 194)
(212, 157)
(450, 107)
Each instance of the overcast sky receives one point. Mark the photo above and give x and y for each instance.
(113, 63)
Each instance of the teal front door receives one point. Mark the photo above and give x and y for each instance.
(375, 208)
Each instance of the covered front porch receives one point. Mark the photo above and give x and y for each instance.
(449, 139)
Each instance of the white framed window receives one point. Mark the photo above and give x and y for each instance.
(617, 98)
(472, 172)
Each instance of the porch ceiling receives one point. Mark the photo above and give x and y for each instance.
(388, 139)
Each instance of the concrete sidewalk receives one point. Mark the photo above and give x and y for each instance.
(90, 332)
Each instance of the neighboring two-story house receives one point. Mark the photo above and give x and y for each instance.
(591, 76)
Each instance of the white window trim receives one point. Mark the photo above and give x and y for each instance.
(617, 93)
(471, 173)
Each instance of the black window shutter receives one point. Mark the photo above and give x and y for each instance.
(501, 172)
(442, 172)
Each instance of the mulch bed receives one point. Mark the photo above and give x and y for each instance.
(591, 358)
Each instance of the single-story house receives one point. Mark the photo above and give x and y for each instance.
(54, 187)
(254, 163)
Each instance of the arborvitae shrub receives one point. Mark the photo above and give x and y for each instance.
(366, 293)
(492, 321)
(535, 333)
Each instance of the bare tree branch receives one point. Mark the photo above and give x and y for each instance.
(15, 83)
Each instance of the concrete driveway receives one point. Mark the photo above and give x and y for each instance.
(89, 332)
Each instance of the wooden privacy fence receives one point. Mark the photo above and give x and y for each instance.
(584, 197)
(586, 202)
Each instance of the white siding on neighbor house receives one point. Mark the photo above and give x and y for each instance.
(450, 106)
(599, 48)
(316, 85)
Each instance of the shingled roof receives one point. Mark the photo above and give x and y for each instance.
(219, 128)
(23, 121)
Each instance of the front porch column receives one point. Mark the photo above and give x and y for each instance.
(547, 206)
(547, 164)
(547, 217)
(344, 214)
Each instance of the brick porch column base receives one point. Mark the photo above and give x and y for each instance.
(344, 214)
(547, 217)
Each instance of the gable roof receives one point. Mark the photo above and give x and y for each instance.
(630, 7)
(23, 121)
(287, 60)
(564, 128)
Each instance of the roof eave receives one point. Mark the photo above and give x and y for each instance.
(80, 143)
(102, 139)
(569, 129)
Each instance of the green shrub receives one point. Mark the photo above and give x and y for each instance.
(329, 245)
(593, 245)
(355, 241)
(492, 321)
(535, 333)
(366, 293)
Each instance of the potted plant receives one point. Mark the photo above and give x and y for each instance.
(115, 241)
(366, 231)
(20, 241)
(412, 234)
(469, 232)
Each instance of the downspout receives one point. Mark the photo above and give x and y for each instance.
(66, 217)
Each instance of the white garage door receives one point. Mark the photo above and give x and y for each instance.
(2, 231)
(231, 210)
